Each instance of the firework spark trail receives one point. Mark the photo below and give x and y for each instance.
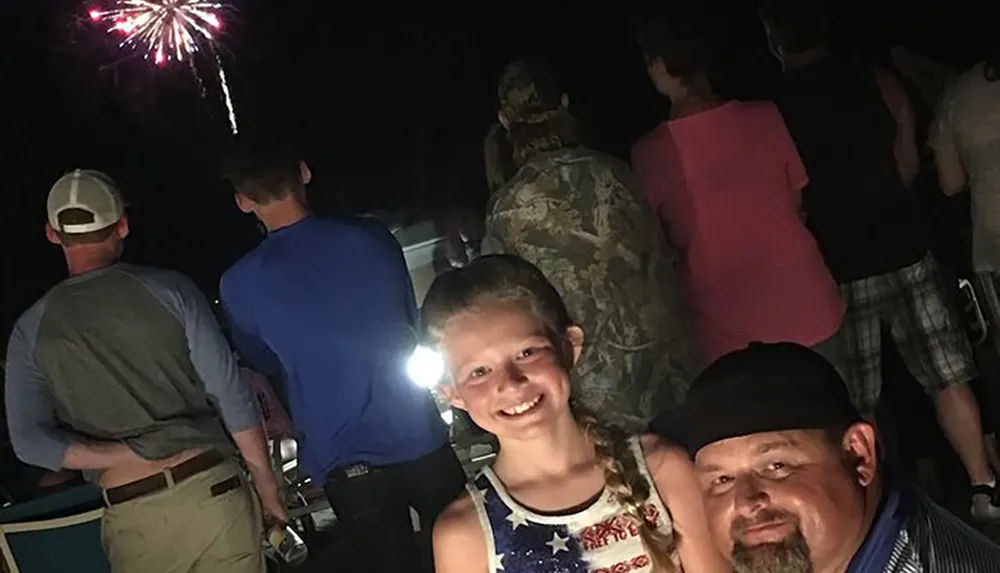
(225, 93)
(169, 30)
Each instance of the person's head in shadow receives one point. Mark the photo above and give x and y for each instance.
(535, 112)
(269, 180)
(680, 48)
(796, 28)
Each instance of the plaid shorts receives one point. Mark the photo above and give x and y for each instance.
(914, 305)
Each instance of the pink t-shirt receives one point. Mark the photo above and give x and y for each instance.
(727, 186)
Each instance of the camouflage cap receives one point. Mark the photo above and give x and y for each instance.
(528, 94)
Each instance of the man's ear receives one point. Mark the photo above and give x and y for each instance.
(504, 122)
(306, 172)
(243, 203)
(575, 337)
(122, 228)
(659, 74)
(861, 444)
(51, 235)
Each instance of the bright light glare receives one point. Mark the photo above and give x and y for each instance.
(448, 416)
(425, 367)
(289, 449)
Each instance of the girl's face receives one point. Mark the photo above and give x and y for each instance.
(505, 372)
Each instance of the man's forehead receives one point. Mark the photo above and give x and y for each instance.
(744, 448)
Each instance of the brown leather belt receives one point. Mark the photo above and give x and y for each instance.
(161, 481)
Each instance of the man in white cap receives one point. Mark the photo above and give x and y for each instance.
(122, 372)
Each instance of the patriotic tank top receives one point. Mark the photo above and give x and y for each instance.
(598, 539)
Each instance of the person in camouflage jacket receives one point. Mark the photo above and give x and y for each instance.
(579, 216)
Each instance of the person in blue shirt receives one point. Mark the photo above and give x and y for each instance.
(327, 304)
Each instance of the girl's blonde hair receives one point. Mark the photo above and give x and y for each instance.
(629, 487)
(506, 279)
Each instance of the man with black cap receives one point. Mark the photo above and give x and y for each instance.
(792, 480)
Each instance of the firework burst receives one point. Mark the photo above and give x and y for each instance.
(165, 31)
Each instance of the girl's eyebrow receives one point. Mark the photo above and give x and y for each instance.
(479, 356)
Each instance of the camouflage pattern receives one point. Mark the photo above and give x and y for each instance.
(580, 217)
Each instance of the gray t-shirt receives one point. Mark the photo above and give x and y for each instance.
(968, 126)
(127, 354)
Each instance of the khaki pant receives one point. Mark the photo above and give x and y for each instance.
(185, 529)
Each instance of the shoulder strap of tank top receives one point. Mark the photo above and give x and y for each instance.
(477, 489)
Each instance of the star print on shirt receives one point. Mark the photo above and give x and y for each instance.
(500, 562)
(516, 520)
(558, 543)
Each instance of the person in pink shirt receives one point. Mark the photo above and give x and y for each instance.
(726, 181)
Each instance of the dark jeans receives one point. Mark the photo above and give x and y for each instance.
(373, 504)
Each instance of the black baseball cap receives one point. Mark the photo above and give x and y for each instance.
(766, 387)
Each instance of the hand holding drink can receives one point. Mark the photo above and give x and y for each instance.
(287, 544)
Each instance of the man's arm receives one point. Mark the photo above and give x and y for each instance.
(252, 444)
(216, 366)
(399, 257)
(951, 171)
(409, 294)
(929, 76)
(243, 332)
(907, 154)
(32, 424)
(215, 362)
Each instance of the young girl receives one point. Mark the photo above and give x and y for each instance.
(565, 493)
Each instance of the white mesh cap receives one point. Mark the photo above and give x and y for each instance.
(90, 191)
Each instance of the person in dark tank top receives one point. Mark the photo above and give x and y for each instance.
(854, 127)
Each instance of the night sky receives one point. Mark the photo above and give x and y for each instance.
(388, 103)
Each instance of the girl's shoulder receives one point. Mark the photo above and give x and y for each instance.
(459, 540)
(458, 518)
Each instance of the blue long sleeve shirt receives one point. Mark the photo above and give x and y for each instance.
(329, 306)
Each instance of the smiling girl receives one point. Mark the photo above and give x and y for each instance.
(565, 493)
